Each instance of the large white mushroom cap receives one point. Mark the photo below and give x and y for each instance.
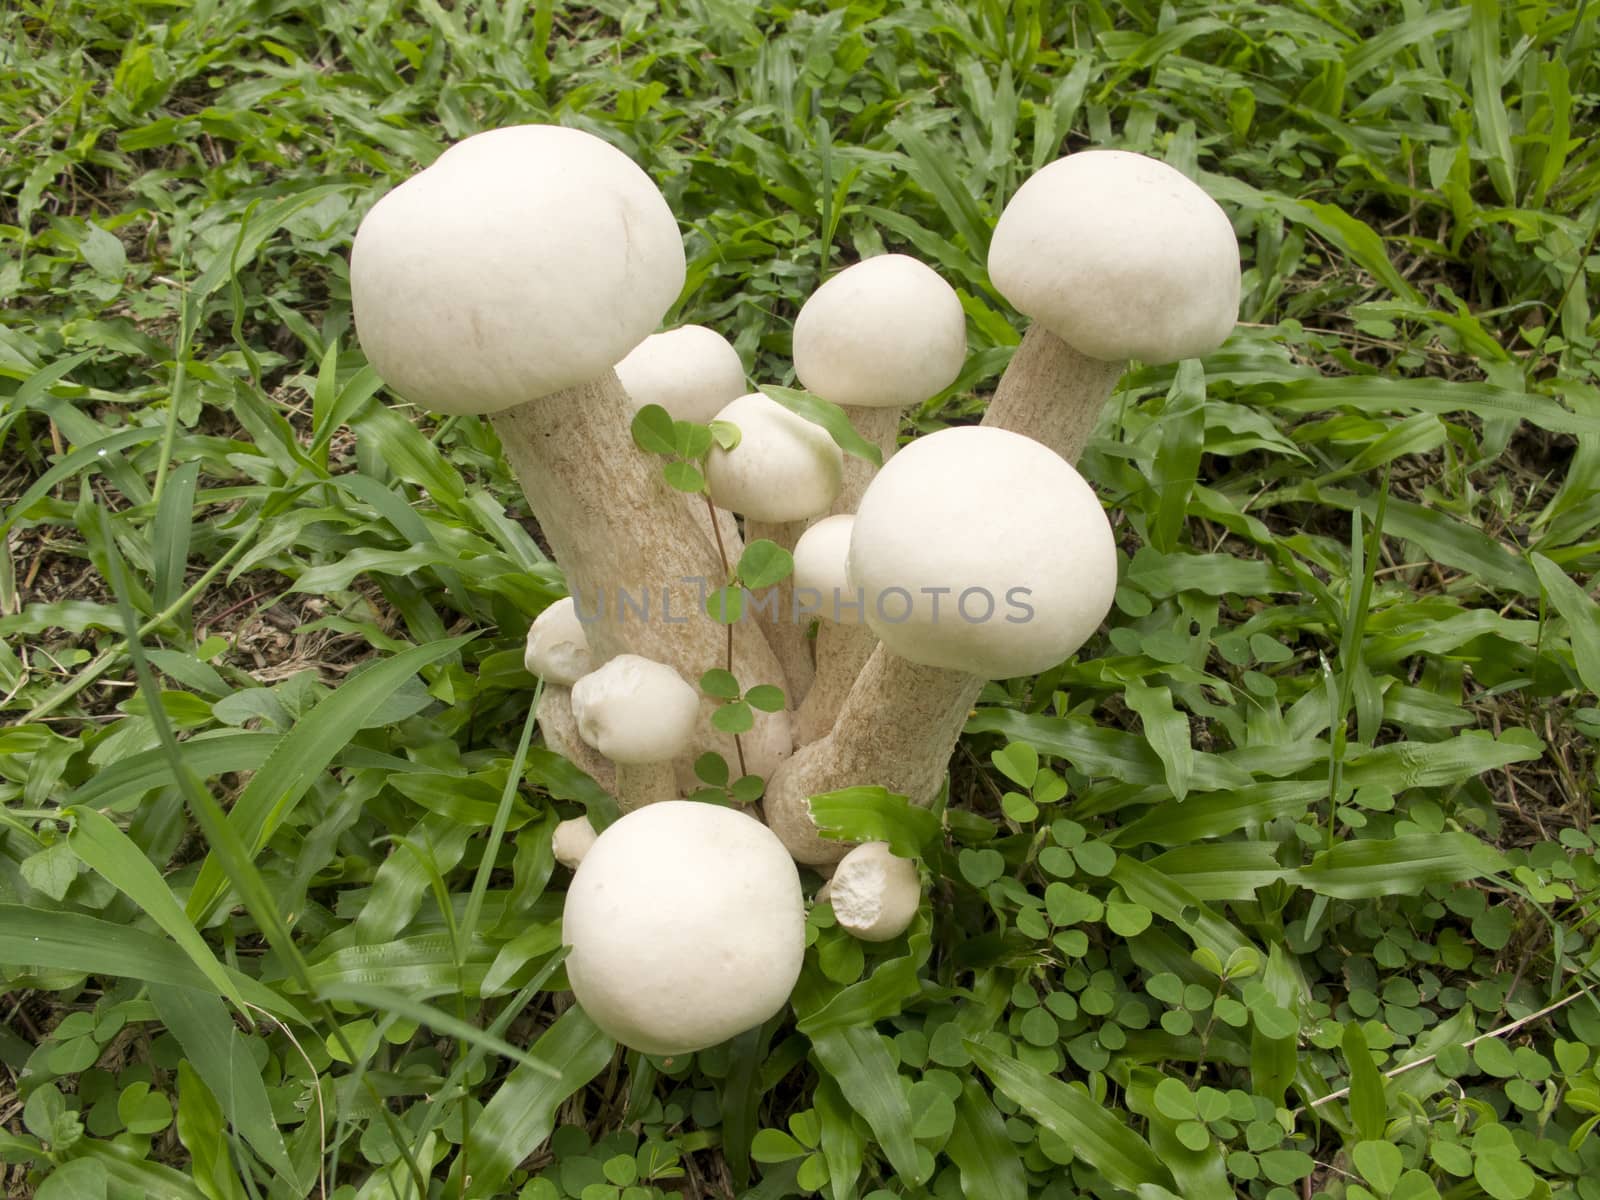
(558, 645)
(819, 566)
(981, 551)
(523, 261)
(785, 468)
(1120, 256)
(635, 710)
(691, 371)
(687, 927)
(887, 332)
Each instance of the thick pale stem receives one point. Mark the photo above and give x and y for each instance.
(560, 730)
(776, 616)
(1051, 393)
(636, 563)
(881, 427)
(842, 650)
(645, 783)
(896, 729)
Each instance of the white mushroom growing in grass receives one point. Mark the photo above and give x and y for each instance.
(641, 715)
(874, 892)
(507, 279)
(1114, 256)
(686, 925)
(571, 841)
(783, 471)
(877, 338)
(558, 648)
(692, 372)
(982, 555)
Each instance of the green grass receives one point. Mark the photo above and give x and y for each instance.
(1313, 911)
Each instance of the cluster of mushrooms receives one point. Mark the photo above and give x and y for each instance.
(522, 275)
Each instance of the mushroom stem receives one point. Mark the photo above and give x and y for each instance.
(636, 565)
(1052, 393)
(776, 616)
(639, 784)
(881, 427)
(897, 728)
(560, 730)
(842, 650)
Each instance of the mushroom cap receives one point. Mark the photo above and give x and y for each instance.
(687, 926)
(785, 468)
(887, 332)
(690, 371)
(874, 892)
(981, 551)
(523, 261)
(571, 841)
(558, 645)
(819, 565)
(635, 710)
(1120, 256)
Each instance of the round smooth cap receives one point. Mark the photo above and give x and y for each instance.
(692, 372)
(1120, 256)
(981, 551)
(523, 261)
(887, 332)
(785, 468)
(819, 566)
(687, 926)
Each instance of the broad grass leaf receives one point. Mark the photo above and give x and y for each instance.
(214, 1047)
(1369, 1108)
(95, 454)
(1167, 731)
(74, 942)
(874, 814)
(1582, 616)
(982, 1152)
(303, 754)
(859, 1061)
(843, 1146)
(200, 1129)
(1094, 1133)
(1402, 866)
(522, 1112)
(111, 854)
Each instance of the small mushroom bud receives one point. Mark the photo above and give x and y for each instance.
(640, 714)
(687, 926)
(558, 646)
(874, 893)
(571, 841)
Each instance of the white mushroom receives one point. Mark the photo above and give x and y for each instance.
(844, 642)
(784, 470)
(686, 926)
(571, 841)
(874, 893)
(692, 372)
(1114, 256)
(558, 648)
(877, 338)
(507, 278)
(559, 728)
(641, 715)
(982, 555)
